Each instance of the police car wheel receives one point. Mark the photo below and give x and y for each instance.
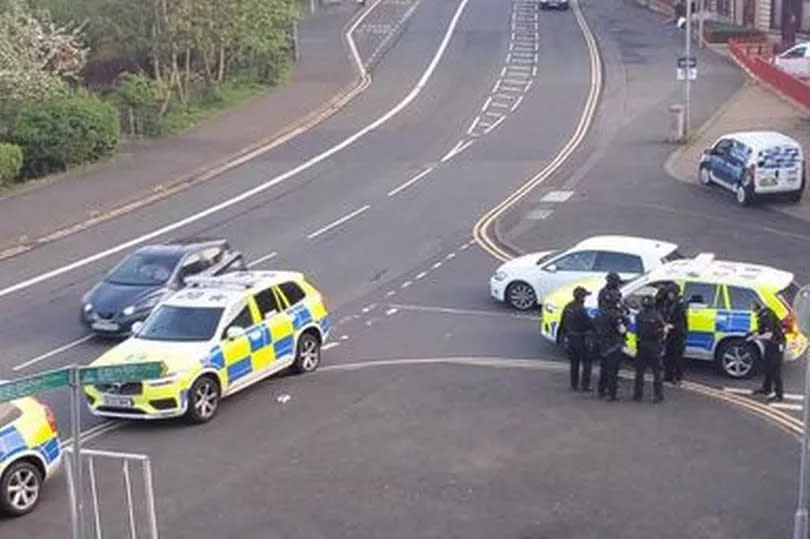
(737, 358)
(705, 176)
(20, 484)
(521, 296)
(203, 400)
(307, 353)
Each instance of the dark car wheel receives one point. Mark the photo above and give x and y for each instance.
(521, 296)
(307, 353)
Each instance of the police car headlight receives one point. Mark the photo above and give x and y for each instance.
(167, 380)
(549, 307)
(500, 275)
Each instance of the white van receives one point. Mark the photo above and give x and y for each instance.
(753, 164)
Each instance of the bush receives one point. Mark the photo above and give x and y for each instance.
(64, 131)
(721, 32)
(11, 160)
(136, 98)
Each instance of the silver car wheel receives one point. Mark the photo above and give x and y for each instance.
(23, 489)
(206, 399)
(738, 361)
(521, 296)
(310, 355)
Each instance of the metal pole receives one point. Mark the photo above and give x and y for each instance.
(702, 15)
(150, 499)
(311, 6)
(688, 54)
(295, 41)
(76, 428)
(800, 519)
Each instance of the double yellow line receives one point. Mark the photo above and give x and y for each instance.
(482, 231)
(488, 241)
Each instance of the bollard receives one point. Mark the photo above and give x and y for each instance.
(676, 123)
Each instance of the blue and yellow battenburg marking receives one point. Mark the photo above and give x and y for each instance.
(29, 433)
(265, 342)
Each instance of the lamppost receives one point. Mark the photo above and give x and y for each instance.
(801, 306)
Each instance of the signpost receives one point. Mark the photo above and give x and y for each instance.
(801, 306)
(685, 69)
(75, 377)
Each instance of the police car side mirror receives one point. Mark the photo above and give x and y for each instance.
(234, 332)
(551, 268)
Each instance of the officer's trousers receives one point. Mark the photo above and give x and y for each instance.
(773, 370)
(673, 360)
(648, 356)
(580, 357)
(609, 372)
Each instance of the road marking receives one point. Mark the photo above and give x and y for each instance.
(465, 312)
(437, 265)
(744, 391)
(481, 230)
(392, 310)
(410, 182)
(486, 103)
(557, 196)
(390, 293)
(457, 149)
(786, 406)
(421, 275)
(407, 100)
(517, 103)
(52, 353)
(539, 214)
(352, 45)
(330, 345)
(93, 432)
(450, 256)
(473, 124)
(261, 259)
(339, 222)
(344, 337)
(496, 124)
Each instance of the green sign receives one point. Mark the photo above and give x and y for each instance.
(32, 385)
(128, 372)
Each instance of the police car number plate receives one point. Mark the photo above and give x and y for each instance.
(103, 325)
(117, 402)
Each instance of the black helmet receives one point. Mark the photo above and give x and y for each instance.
(580, 293)
(613, 279)
(647, 302)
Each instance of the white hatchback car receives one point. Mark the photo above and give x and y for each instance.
(524, 281)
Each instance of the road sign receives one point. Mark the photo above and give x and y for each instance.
(682, 70)
(128, 372)
(682, 62)
(31, 385)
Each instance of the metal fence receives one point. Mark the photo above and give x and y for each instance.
(140, 519)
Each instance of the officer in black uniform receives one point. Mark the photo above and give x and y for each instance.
(770, 333)
(650, 334)
(675, 343)
(611, 328)
(578, 327)
(612, 282)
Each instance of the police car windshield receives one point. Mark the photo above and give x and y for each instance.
(8, 413)
(144, 269)
(171, 323)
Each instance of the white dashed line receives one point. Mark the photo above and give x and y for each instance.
(486, 103)
(338, 222)
(437, 265)
(261, 259)
(517, 103)
(557, 196)
(390, 293)
(470, 312)
(330, 345)
(786, 406)
(392, 310)
(496, 124)
(344, 337)
(406, 284)
(473, 124)
(411, 182)
(420, 275)
(450, 256)
(497, 85)
(52, 353)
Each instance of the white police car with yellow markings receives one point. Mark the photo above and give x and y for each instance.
(216, 337)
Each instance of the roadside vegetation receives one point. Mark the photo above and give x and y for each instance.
(78, 76)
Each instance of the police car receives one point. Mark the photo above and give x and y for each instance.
(753, 164)
(719, 296)
(30, 453)
(215, 337)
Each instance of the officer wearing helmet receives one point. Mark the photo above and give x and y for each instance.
(771, 334)
(675, 342)
(578, 329)
(650, 333)
(612, 282)
(611, 328)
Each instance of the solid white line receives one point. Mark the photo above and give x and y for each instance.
(497, 85)
(517, 103)
(785, 406)
(457, 149)
(486, 103)
(526, 89)
(470, 312)
(496, 124)
(410, 182)
(93, 432)
(352, 45)
(503, 71)
(52, 353)
(513, 89)
(473, 124)
(415, 91)
(339, 222)
(261, 259)
(743, 391)
(330, 345)
(514, 81)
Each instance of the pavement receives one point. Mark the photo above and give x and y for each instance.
(144, 171)
(376, 204)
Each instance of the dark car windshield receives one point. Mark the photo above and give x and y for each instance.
(170, 323)
(144, 269)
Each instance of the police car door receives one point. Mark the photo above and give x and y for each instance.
(701, 299)
(236, 348)
(274, 336)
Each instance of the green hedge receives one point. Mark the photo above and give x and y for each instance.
(63, 132)
(11, 160)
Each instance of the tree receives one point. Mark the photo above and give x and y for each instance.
(37, 57)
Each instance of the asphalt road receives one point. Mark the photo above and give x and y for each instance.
(445, 450)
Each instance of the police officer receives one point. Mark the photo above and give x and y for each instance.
(650, 342)
(769, 332)
(578, 327)
(675, 343)
(611, 327)
(612, 282)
